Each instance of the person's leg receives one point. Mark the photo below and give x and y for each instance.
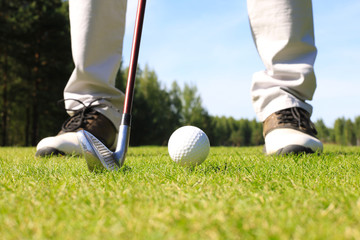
(284, 36)
(97, 30)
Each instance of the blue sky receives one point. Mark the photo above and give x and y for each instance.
(209, 44)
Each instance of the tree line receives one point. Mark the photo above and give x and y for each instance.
(35, 64)
(344, 132)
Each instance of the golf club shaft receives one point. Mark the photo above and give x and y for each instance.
(134, 57)
(125, 126)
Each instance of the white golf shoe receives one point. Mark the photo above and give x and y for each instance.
(62, 144)
(290, 131)
(66, 142)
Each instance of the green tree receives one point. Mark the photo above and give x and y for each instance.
(153, 117)
(339, 131)
(323, 131)
(242, 136)
(8, 11)
(192, 111)
(357, 130)
(223, 129)
(256, 133)
(40, 57)
(349, 133)
(176, 103)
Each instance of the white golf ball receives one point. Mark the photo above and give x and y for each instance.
(188, 146)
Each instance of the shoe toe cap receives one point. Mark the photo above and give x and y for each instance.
(64, 144)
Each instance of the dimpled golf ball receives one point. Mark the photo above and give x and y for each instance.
(188, 146)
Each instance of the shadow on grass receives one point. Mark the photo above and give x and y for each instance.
(123, 170)
(213, 168)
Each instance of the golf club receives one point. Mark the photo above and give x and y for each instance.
(97, 155)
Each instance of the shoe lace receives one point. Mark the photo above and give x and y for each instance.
(81, 116)
(296, 117)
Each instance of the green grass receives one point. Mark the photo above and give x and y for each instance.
(237, 193)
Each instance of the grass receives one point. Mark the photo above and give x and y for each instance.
(237, 193)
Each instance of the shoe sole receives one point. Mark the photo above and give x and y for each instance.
(289, 141)
(294, 149)
(291, 149)
(48, 152)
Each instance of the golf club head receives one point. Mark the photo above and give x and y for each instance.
(98, 157)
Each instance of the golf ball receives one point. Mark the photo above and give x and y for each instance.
(188, 146)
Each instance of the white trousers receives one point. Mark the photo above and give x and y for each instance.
(97, 32)
(282, 31)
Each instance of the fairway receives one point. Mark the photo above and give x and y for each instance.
(237, 193)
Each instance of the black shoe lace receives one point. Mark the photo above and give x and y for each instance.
(298, 118)
(81, 116)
